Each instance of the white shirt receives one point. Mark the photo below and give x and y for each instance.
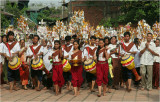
(157, 58)
(1, 51)
(137, 59)
(76, 57)
(30, 53)
(56, 59)
(111, 46)
(86, 52)
(13, 50)
(147, 57)
(133, 49)
(46, 61)
(101, 57)
(65, 52)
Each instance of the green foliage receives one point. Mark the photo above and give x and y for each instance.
(13, 9)
(134, 11)
(49, 14)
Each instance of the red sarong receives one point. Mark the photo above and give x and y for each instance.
(77, 78)
(102, 73)
(156, 72)
(24, 73)
(58, 74)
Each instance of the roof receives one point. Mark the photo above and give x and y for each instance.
(37, 8)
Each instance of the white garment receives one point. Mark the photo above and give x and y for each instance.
(1, 51)
(157, 58)
(30, 53)
(111, 46)
(13, 50)
(76, 57)
(46, 61)
(56, 59)
(137, 59)
(101, 57)
(65, 52)
(133, 49)
(86, 51)
(147, 57)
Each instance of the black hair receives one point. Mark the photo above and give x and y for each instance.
(149, 33)
(114, 37)
(21, 40)
(74, 36)
(57, 41)
(108, 40)
(67, 38)
(97, 38)
(10, 33)
(93, 37)
(127, 33)
(136, 41)
(77, 43)
(97, 53)
(36, 36)
(3, 37)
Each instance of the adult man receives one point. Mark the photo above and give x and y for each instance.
(146, 61)
(129, 48)
(33, 52)
(10, 50)
(89, 52)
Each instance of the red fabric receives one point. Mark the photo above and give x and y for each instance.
(24, 74)
(77, 78)
(102, 73)
(58, 75)
(156, 72)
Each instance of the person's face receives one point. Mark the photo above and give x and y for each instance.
(22, 43)
(72, 40)
(92, 41)
(67, 42)
(35, 40)
(75, 44)
(56, 45)
(157, 43)
(97, 41)
(4, 39)
(113, 40)
(101, 43)
(106, 41)
(11, 37)
(126, 38)
(149, 37)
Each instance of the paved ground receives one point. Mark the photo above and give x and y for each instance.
(85, 95)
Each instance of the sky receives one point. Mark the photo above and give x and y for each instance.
(47, 2)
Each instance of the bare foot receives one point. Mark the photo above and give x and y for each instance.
(104, 94)
(45, 88)
(77, 92)
(99, 95)
(142, 89)
(25, 87)
(16, 88)
(158, 88)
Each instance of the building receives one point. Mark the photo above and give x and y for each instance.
(94, 11)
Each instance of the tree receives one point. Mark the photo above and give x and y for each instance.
(13, 10)
(134, 11)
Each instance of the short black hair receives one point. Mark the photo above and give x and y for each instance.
(36, 36)
(76, 41)
(136, 41)
(74, 36)
(3, 37)
(149, 33)
(68, 38)
(93, 37)
(10, 33)
(127, 33)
